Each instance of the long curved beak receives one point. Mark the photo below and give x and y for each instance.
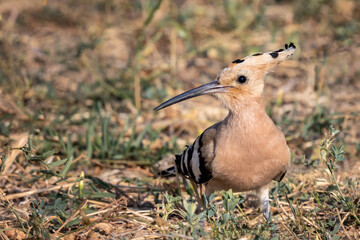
(209, 88)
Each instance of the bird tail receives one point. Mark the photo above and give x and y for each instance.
(168, 171)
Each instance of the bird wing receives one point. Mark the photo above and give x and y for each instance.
(195, 162)
(280, 176)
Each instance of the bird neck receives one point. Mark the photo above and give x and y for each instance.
(247, 112)
(248, 106)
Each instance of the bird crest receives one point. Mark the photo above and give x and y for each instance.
(242, 79)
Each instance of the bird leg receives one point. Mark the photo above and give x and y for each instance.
(197, 195)
(178, 180)
(263, 200)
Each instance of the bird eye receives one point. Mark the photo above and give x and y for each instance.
(242, 79)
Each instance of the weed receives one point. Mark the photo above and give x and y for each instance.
(5, 128)
(319, 120)
(332, 155)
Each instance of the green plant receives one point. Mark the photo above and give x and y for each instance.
(332, 155)
(225, 224)
(319, 120)
(308, 163)
(194, 220)
(109, 143)
(168, 205)
(38, 219)
(5, 128)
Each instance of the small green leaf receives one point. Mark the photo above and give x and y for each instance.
(331, 188)
(57, 163)
(48, 154)
(335, 230)
(67, 166)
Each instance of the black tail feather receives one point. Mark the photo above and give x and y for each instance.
(170, 172)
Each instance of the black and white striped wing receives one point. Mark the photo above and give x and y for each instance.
(195, 161)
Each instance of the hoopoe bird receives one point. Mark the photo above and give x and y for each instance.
(245, 151)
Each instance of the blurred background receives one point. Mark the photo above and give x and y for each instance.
(66, 64)
(80, 79)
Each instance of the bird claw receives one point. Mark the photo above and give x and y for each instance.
(265, 209)
(263, 196)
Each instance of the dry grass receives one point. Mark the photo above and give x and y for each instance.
(80, 80)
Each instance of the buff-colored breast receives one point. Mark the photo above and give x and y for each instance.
(250, 152)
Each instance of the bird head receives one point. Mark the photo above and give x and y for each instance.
(242, 79)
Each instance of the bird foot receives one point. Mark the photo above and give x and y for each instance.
(263, 199)
(265, 209)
